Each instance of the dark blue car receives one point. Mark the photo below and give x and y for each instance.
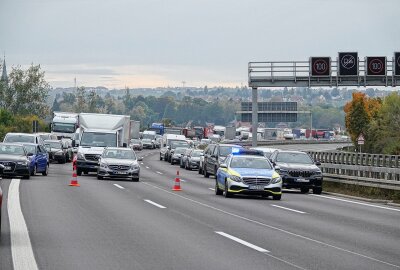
(39, 158)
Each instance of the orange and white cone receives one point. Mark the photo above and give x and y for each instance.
(177, 183)
(74, 180)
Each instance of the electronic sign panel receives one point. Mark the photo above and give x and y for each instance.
(348, 64)
(376, 66)
(396, 63)
(320, 66)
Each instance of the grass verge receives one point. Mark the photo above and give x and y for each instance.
(362, 191)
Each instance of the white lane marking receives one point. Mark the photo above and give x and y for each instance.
(118, 186)
(211, 189)
(240, 241)
(147, 167)
(183, 180)
(155, 204)
(360, 203)
(289, 209)
(21, 248)
(272, 227)
(141, 163)
(159, 172)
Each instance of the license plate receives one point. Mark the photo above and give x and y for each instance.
(7, 168)
(302, 180)
(120, 172)
(256, 187)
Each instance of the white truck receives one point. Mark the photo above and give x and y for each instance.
(97, 131)
(64, 124)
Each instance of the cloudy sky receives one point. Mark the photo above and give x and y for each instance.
(156, 43)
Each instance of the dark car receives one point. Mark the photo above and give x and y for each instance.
(214, 155)
(118, 162)
(172, 146)
(177, 155)
(298, 170)
(58, 151)
(15, 160)
(39, 159)
(192, 161)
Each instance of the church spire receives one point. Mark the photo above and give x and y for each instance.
(4, 77)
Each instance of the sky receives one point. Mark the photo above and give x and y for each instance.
(159, 43)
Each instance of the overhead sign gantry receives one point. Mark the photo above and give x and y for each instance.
(346, 70)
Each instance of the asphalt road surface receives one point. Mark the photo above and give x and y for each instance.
(116, 224)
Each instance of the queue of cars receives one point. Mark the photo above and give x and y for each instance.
(237, 170)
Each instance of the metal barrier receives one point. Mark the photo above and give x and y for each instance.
(364, 169)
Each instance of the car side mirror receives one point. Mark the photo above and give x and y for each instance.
(318, 163)
(140, 159)
(277, 169)
(29, 154)
(223, 165)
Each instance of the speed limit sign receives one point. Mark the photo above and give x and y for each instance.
(376, 65)
(320, 66)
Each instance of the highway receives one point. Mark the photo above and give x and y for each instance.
(111, 224)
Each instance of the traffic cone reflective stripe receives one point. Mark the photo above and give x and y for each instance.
(177, 183)
(74, 180)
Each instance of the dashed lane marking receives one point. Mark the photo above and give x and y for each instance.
(155, 204)
(118, 186)
(289, 209)
(245, 243)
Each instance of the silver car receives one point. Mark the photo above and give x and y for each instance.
(119, 162)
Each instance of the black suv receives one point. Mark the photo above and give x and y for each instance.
(298, 170)
(214, 155)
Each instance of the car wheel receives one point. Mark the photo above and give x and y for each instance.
(227, 194)
(200, 170)
(317, 190)
(100, 177)
(304, 190)
(46, 171)
(206, 174)
(181, 164)
(277, 197)
(34, 170)
(217, 190)
(160, 157)
(26, 176)
(79, 172)
(134, 179)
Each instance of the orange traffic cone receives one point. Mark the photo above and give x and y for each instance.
(177, 184)
(74, 181)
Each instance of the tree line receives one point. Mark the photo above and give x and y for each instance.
(378, 120)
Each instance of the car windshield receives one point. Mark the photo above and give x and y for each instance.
(99, 139)
(301, 158)
(196, 153)
(149, 136)
(64, 127)
(179, 144)
(146, 141)
(14, 150)
(180, 150)
(250, 162)
(225, 150)
(21, 138)
(45, 137)
(119, 154)
(30, 148)
(56, 145)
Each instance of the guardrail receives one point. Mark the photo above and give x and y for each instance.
(286, 142)
(364, 169)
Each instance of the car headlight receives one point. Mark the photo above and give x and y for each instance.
(235, 178)
(103, 165)
(81, 156)
(23, 163)
(317, 172)
(135, 166)
(276, 180)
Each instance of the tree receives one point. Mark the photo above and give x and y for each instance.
(26, 92)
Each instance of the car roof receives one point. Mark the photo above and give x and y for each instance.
(21, 133)
(15, 144)
(118, 148)
(291, 151)
(52, 141)
(33, 144)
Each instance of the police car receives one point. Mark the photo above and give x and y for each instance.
(248, 172)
